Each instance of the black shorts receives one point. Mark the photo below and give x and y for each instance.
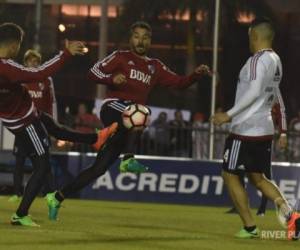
(247, 156)
(32, 140)
(111, 111)
(18, 149)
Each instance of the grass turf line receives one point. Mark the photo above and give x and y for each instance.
(98, 225)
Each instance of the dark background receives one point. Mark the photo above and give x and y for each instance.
(181, 43)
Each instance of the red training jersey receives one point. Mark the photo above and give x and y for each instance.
(43, 96)
(142, 74)
(16, 107)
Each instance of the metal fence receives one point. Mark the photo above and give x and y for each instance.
(191, 142)
(194, 143)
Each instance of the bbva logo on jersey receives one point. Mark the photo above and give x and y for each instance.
(35, 94)
(140, 76)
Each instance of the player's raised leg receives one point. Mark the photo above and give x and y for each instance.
(62, 132)
(106, 156)
(271, 191)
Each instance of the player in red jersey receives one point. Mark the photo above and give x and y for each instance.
(43, 96)
(42, 93)
(129, 76)
(18, 112)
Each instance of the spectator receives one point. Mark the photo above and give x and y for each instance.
(179, 136)
(221, 133)
(160, 134)
(294, 138)
(200, 137)
(86, 123)
(68, 119)
(295, 123)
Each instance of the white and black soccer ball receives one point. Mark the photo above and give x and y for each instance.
(136, 117)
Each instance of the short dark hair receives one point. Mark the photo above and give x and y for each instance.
(10, 32)
(141, 24)
(260, 20)
(265, 25)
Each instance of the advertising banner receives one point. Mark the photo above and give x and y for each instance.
(169, 180)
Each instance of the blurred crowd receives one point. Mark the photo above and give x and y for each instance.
(175, 137)
(84, 121)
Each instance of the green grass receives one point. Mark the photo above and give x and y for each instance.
(98, 225)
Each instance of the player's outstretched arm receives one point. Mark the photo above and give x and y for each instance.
(103, 71)
(18, 73)
(170, 79)
(75, 48)
(203, 70)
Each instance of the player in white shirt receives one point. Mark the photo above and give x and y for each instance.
(248, 147)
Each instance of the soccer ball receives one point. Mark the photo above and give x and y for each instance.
(136, 117)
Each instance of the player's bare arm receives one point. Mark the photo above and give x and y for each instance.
(203, 70)
(75, 47)
(220, 118)
(282, 141)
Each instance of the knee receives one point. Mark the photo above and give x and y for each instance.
(257, 182)
(226, 176)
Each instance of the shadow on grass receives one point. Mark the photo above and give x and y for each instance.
(151, 227)
(99, 241)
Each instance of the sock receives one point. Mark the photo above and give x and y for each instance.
(250, 229)
(127, 156)
(286, 210)
(297, 230)
(20, 214)
(284, 207)
(59, 196)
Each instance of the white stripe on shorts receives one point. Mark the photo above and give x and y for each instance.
(37, 149)
(119, 105)
(116, 107)
(35, 140)
(234, 154)
(231, 154)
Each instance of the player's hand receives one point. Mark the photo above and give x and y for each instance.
(75, 47)
(220, 118)
(282, 141)
(119, 79)
(203, 70)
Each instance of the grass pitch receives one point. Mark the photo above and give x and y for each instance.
(101, 225)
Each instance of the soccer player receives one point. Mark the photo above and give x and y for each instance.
(129, 77)
(43, 96)
(19, 115)
(248, 147)
(279, 120)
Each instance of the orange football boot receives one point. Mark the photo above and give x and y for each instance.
(104, 134)
(293, 229)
